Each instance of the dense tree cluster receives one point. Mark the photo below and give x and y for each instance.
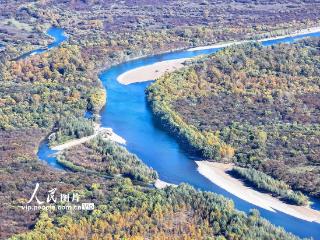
(174, 213)
(256, 106)
(69, 128)
(107, 157)
(266, 183)
(40, 90)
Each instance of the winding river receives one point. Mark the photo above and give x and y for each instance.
(127, 112)
(59, 37)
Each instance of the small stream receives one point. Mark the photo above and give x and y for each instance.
(59, 36)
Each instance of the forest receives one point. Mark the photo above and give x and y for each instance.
(105, 156)
(128, 29)
(124, 209)
(51, 92)
(173, 213)
(40, 90)
(69, 128)
(265, 183)
(252, 105)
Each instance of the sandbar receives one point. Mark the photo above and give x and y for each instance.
(218, 174)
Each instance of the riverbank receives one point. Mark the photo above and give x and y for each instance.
(106, 133)
(159, 184)
(156, 70)
(227, 44)
(151, 72)
(217, 173)
(128, 113)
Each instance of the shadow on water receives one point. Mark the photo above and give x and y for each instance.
(183, 145)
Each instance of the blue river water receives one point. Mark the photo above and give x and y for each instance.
(59, 36)
(127, 112)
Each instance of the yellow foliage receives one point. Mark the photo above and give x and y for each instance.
(226, 151)
(98, 99)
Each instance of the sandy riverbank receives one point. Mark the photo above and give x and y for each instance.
(106, 133)
(227, 44)
(151, 72)
(217, 173)
(159, 184)
(156, 70)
